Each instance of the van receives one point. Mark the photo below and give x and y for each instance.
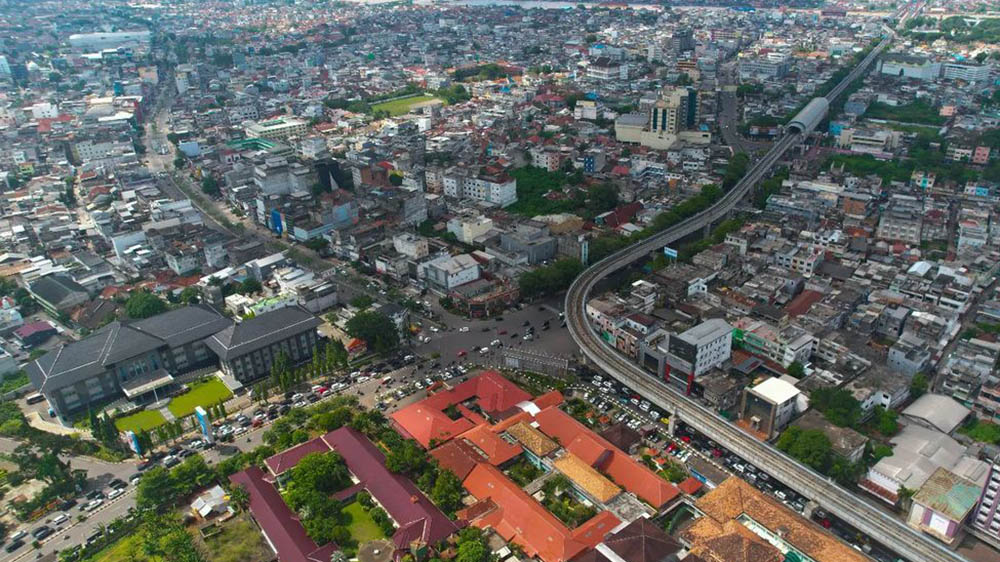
(60, 519)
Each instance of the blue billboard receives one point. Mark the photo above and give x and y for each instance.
(206, 426)
(133, 441)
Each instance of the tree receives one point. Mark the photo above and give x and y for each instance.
(249, 286)
(796, 370)
(919, 385)
(362, 302)
(810, 446)
(377, 330)
(143, 304)
(472, 552)
(447, 492)
(190, 295)
(408, 458)
(838, 406)
(210, 185)
(885, 420)
(156, 489)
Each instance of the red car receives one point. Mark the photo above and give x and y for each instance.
(502, 332)
(462, 353)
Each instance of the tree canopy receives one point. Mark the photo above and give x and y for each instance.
(377, 330)
(143, 304)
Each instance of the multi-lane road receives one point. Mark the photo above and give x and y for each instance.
(883, 527)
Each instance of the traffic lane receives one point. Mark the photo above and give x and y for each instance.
(554, 341)
(73, 532)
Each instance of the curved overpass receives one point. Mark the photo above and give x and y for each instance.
(882, 526)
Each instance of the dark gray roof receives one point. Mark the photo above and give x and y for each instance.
(262, 331)
(184, 325)
(55, 288)
(117, 341)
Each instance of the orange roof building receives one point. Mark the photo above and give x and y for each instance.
(606, 458)
(489, 393)
(516, 516)
(722, 536)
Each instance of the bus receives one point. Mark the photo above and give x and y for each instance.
(34, 398)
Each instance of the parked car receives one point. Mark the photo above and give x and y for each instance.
(93, 505)
(118, 483)
(115, 493)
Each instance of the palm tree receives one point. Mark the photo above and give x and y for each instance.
(240, 497)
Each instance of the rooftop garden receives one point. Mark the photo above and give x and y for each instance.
(561, 502)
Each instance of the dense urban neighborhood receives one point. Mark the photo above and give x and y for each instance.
(499, 281)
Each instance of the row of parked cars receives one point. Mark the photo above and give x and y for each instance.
(92, 501)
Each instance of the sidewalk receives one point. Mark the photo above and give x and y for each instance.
(35, 420)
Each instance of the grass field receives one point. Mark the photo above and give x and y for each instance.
(207, 393)
(239, 541)
(362, 527)
(146, 419)
(401, 106)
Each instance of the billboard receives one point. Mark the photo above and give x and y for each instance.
(133, 442)
(670, 252)
(206, 426)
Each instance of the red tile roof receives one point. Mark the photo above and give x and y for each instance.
(497, 450)
(458, 457)
(605, 457)
(417, 517)
(425, 420)
(279, 523)
(288, 458)
(518, 517)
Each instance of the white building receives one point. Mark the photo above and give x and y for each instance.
(276, 129)
(500, 190)
(769, 406)
(109, 40)
(696, 351)
(468, 228)
(447, 272)
(410, 245)
(966, 72)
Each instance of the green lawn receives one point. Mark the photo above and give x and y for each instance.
(146, 419)
(401, 106)
(362, 527)
(207, 393)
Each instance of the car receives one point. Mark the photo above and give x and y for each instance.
(312, 398)
(171, 461)
(485, 329)
(284, 409)
(14, 545)
(118, 483)
(499, 319)
(134, 479)
(514, 336)
(435, 329)
(484, 350)
(463, 329)
(299, 404)
(187, 453)
(526, 323)
(495, 343)
(67, 505)
(240, 430)
(462, 353)
(95, 495)
(93, 505)
(115, 493)
(18, 535)
(528, 337)
(295, 398)
(501, 332)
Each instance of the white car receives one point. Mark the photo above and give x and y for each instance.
(463, 329)
(240, 431)
(93, 505)
(435, 329)
(115, 493)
